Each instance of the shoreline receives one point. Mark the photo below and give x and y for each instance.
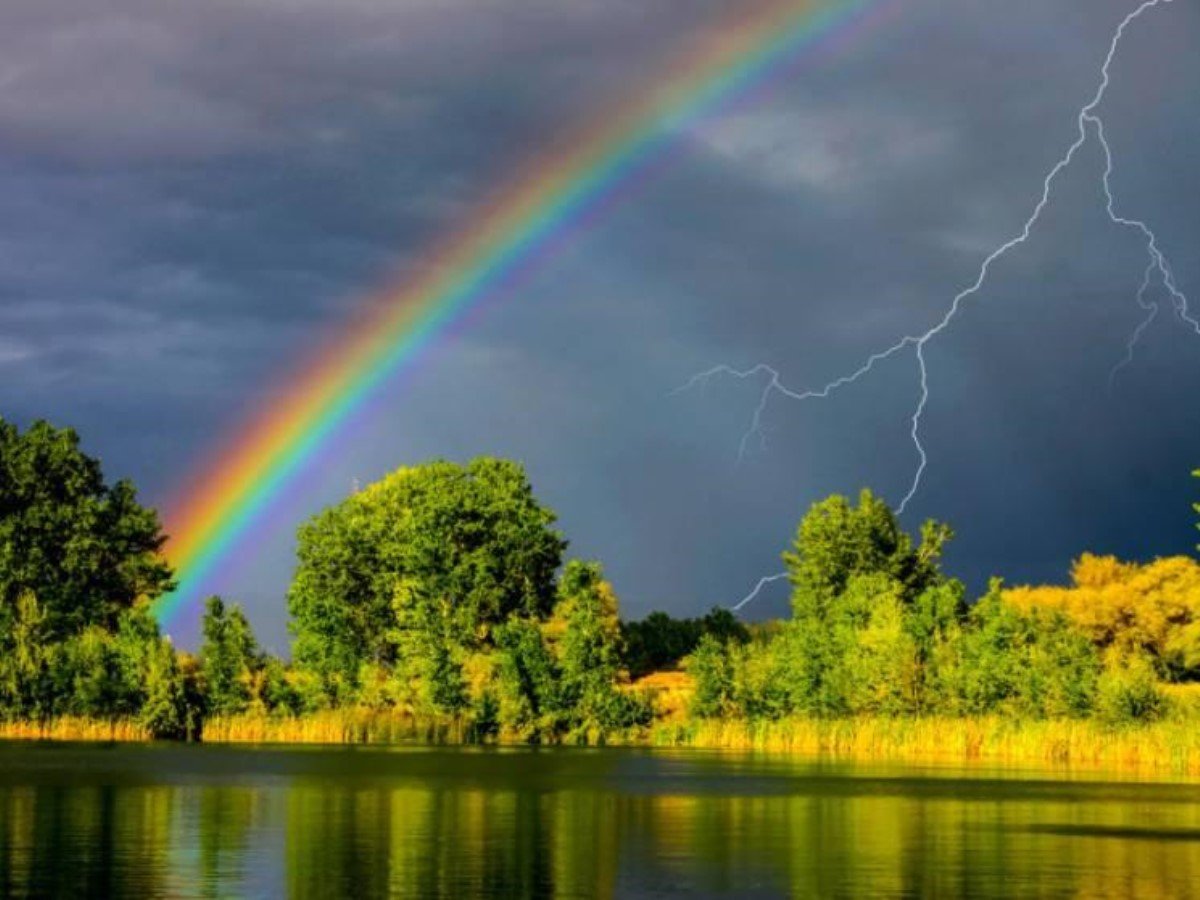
(1165, 747)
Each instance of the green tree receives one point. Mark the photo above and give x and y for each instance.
(277, 692)
(164, 710)
(428, 651)
(86, 549)
(27, 660)
(722, 624)
(878, 669)
(1027, 663)
(529, 699)
(229, 657)
(94, 677)
(590, 651)
(1129, 692)
(470, 544)
(660, 642)
(836, 541)
(711, 671)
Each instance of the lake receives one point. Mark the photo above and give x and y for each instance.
(210, 821)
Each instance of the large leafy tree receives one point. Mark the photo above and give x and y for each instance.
(871, 608)
(86, 550)
(837, 541)
(465, 547)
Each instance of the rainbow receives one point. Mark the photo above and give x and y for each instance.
(522, 224)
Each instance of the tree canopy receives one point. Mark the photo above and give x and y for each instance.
(440, 594)
(836, 541)
(1131, 610)
(462, 546)
(660, 642)
(85, 549)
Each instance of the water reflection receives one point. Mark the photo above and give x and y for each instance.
(211, 822)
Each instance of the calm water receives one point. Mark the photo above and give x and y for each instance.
(152, 821)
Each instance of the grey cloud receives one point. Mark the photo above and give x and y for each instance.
(195, 194)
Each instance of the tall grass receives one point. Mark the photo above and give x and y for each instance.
(1167, 746)
(352, 725)
(74, 728)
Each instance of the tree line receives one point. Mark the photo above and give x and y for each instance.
(878, 629)
(445, 592)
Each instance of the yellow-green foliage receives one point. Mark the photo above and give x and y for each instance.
(350, 725)
(1168, 746)
(358, 725)
(74, 728)
(1132, 609)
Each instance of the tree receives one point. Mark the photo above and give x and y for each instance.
(879, 669)
(1131, 611)
(710, 669)
(468, 543)
(722, 624)
(86, 549)
(26, 659)
(589, 650)
(660, 642)
(836, 541)
(529, 697)
(1032, 663)
(229, 657)
(164, 711)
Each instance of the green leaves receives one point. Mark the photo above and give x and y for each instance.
(230, 658)
(465, 547)
(86, 549)
(837, 541)
(1196, 506)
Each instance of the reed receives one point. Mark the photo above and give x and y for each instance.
(358, 725)
(354, 725)
(73, 728)
(1170, 746)
(1167, 746)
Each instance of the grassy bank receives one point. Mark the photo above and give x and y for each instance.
(1163, 747)
(1168, 746)
(74, 728)
(367, 726)
(342, 726)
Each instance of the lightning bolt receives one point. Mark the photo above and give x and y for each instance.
(762, 583)
(1089, 124)
(1151, 313)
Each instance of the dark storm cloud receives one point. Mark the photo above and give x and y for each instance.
(195, 194)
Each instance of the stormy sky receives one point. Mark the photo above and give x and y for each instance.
(195, 195)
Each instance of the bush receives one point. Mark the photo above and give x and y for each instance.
(1130, 694)
(710, 668)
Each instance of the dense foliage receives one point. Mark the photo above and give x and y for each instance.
(84, 549)
(434, 593)
(429, 556)
(658, 642)
(440, 595)
(878, 629)
(1131, 612)
(79, 565)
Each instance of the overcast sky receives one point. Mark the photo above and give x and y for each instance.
(194, 194)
